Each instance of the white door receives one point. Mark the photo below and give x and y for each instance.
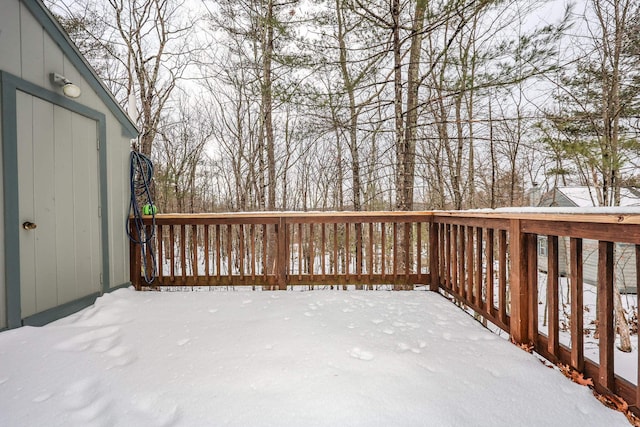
(58, 187)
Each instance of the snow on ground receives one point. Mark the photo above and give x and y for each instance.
(280, 359)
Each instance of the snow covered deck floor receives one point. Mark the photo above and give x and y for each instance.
(280, 359)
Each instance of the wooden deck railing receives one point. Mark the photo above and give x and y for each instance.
(487, 262)
(279, 250)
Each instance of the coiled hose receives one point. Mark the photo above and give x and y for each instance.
(141, 203)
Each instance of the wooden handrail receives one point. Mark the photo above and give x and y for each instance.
(487, 261)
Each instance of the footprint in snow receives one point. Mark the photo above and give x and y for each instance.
(96, 339)
(121, 356)
(360, 354)
(403, 347)
(183, 341)
(42, 397)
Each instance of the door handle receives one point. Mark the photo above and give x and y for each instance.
(27, 225)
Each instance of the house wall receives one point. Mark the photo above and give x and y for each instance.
(625, 266)
(29, 52)
(9, 61)
(3, 294)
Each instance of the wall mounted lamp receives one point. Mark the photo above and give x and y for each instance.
(69, 89)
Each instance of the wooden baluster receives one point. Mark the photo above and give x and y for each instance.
(300, 254)
(207, 270)
(478, 269)
(419, 251)
(395, 251)
(489, 247)
(453, 248)
(435, 239)
(470, 270)
(335, 250)
(606, 324)
(252, 237)
(323, 244)
(460, 249)
(347, 249)
(148, 253)
(241, 250)
(218, 252)
(553, 345)
(265, 240)
(502, 276)
(358, 230)
(577, 308)
(183, 253)
(229, 252)
(172, 253)
(194, 246)
(312, 254)
(370, 254)
(445, 257)
(383, 245)
(160, 247)
(408, 259)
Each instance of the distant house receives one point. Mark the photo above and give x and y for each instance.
(582, 197)
(65, 148)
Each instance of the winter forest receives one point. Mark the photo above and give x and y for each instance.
(249, 105)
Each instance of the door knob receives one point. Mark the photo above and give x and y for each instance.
(29, 225)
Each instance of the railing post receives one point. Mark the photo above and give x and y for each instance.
(532, 286)
(135, 256)
(434, 262)
(518, 281)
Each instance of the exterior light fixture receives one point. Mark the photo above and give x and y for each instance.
(68, 89)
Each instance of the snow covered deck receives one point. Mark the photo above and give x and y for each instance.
(318, 358)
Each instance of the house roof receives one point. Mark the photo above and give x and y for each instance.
(60, 36)
(585, 197)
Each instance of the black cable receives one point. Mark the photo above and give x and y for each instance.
(140, 175)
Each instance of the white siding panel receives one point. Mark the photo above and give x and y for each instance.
(85, 165)
(10, 37)
(65, 216)
(45, 205)
(53, 61)
(24, 104)
(118, 206)
(32, 46)
(3, 295)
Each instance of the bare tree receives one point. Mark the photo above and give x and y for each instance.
(145, 48)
